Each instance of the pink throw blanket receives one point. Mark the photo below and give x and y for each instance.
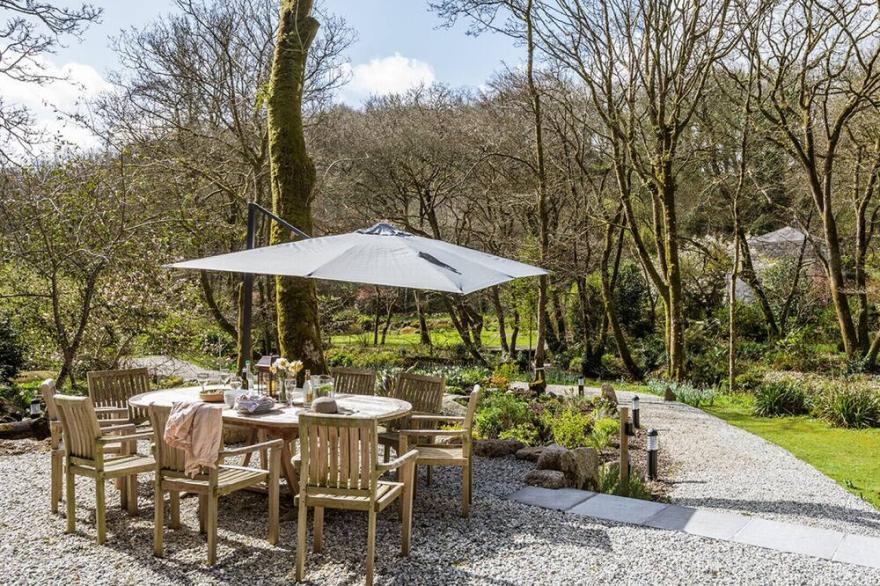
(196, 428)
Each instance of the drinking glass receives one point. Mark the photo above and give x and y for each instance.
(324, 385)
(235, 383)
(202, 377)
(225, 378)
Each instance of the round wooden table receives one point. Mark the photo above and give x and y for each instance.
(282, 422)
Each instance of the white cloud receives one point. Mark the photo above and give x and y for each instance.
(74, 84)
(386, 75)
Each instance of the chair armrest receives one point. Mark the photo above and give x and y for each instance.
(109, 439)
(126, 427)
(99, 411)
(105, 423)
(276, 443)
(449, 418)
(434, 432)
(396, 463)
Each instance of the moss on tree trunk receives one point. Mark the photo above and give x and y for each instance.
(293, 179)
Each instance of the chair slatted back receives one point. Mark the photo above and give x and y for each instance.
(47, 390)
(424, 393)
(338, 452)
(355, 381)
(79, 424)
(113, 388)
(472, 408)
(167, 457)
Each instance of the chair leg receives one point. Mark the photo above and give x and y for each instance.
(387, 453)
(100, 509)
(203, 509)
(158, 518)
(371, 546)
(274, 481)
(175, 509)
(301, 530)
(318, 531)
(465, 489)
(55, 492)
(406, 504)
(428, 481)
(252, 439)
(211, 518)
(131, 489)
(70, 495)
(122, 484)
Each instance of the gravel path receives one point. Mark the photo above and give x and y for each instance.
(503, 543)
(719, 466)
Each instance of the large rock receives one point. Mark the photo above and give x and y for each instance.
(550, 457)
(581, 468)
(609, 394)
(496, 448)
(451, 407)
(546, 478)
(669, 395)
(530, 453)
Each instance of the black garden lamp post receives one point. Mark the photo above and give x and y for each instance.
(635, 410)
(652, 448)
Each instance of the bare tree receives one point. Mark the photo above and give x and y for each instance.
(31, 31)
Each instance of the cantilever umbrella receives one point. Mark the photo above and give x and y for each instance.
(381, 255)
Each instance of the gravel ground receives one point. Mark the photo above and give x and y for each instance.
(503, 543)
(719, 466)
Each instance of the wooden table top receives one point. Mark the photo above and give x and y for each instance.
(381, 408)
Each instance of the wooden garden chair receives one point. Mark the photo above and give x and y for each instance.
(85, 445)
(340, 470)
(458, 454)
(116, 426)
(425, 394)
(355, 381)
(110, 391)
(210, 485)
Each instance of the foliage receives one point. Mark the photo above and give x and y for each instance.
(500, 412)
(776, 398)
(570, 427)
(684, 392)
(604, 430)
(609, 483)
(849, 404)
(11, 350)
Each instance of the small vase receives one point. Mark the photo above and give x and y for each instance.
(282, 391)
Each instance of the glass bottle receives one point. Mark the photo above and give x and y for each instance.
(308, 390)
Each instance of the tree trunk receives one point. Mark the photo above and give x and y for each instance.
(424, 335)
(499, 313)
(293, 179)
(388, 313)
(208, 292)
(463, 331)
(748, 274)
(541, 190)
(610, 307)
(514, 333)
(376, 317)
(731, 318)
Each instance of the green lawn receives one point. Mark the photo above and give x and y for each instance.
(440, 338)
(849, 456)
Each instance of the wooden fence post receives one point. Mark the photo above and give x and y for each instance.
(623, 486)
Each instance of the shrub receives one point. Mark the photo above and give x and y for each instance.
(571, 427)
(500, 412)
(524, 432)
(773, 399)
(684, 392)
(848, 405)
(750, 380)
(609, 483)
(604, 430)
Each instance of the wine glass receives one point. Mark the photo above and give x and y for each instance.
(234, 382)
(202, 377)
(225, 378)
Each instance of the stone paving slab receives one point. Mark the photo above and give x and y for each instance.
(859, 549)
(791, 538)
(702, 522)
(617, 508)
(788, 537)
(560, 499)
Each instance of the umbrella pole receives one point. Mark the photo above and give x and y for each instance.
(247, 282)
(247, 293)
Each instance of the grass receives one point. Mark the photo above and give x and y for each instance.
(439, 338)
(849, 456)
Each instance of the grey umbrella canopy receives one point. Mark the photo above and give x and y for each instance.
(381, 255)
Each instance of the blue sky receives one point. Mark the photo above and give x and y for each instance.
(400, 44)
